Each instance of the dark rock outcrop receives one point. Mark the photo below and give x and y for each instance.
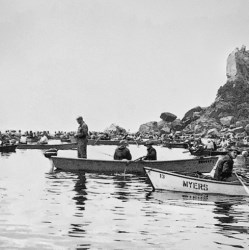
(168, 117)
(231, 106)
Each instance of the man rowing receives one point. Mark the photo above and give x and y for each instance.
(151, 152)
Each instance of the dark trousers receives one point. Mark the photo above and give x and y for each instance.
(82, 148)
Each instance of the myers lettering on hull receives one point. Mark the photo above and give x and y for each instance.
(195, 185)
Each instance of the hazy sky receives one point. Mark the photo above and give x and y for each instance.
(113, 61)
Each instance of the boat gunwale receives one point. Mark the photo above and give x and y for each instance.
(232, 183)
(134, 161)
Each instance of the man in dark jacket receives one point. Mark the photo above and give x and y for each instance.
(151, 152)
(82, 135)
(122, 152)
(224, 167)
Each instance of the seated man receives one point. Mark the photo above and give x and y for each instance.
(122, 152)
(44, 139)
(151, 152)
(224, 166)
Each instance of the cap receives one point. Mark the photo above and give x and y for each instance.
(149, 142)
(79, 118)
(234, 149)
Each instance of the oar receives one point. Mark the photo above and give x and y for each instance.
(96, 141)
(242, 183)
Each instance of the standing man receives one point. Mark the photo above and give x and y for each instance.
(81, 136)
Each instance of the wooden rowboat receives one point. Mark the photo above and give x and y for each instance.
(48, 146)
(133, 167)
(206, 152)
(175, 145)
(165, 180)
(117, 142)
(8, 148)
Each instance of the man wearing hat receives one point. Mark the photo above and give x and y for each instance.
(151, 152)
(81, 135)
(224, 168)
(122, 152)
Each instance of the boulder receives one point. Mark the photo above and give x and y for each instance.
(189, 114)
(213, 132)
(176, 124)
(168, 117)
(226, 121)
(237, 130)
(247, 128)
(148, 127)
(114, 128)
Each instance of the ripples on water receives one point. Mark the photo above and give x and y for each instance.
(45, 209)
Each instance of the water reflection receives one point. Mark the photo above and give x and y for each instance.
(6, 154)
(229, 216)
(80, 197)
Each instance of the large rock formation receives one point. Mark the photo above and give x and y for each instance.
(231, 106)
(229, 113)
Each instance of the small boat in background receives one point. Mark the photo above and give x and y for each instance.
(50, 152)
(175, 145)
(62, 146)
(8, 148)
(199, 183)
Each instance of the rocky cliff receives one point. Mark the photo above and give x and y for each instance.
(230, 110)
(231, 106)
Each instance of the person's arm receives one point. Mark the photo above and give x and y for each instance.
(82, 131)
(225, 167)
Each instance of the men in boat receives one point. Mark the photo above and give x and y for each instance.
(81, 136)
(151, 152)
(224, 166)
(122, 152)
(44, 139)
(210, 145)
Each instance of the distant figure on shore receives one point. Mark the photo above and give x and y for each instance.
(122, 152)
(151, 152)
(211, 145)
(81, 136)
(241, 161)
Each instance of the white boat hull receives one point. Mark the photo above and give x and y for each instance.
(164, 180)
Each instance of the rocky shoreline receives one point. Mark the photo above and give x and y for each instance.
(228, 114)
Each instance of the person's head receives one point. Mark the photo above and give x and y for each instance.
(123, 143)
(244, 153)
(234, 152)
(79, 119)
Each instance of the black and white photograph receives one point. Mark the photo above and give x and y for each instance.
(124, 124)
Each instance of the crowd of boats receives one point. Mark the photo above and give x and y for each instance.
(187, 175)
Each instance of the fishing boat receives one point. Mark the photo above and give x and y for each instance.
(175, 145)
(204, 164)
(207, 152)
(117, 142)
(63, 146)
(165, 180)
(8, 148)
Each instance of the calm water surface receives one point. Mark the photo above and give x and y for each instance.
(44, 209)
